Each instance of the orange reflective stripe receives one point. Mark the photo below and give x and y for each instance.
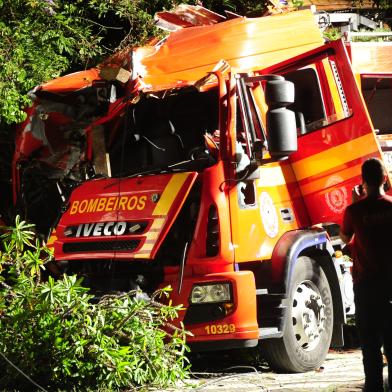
(336, 156)
(319, 184)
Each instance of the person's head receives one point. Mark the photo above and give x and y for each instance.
(373, 173)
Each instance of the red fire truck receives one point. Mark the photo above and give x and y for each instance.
(218, 161)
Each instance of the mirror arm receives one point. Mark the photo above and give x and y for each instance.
(250, 173)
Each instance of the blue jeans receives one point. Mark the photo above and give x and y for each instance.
(373, 315)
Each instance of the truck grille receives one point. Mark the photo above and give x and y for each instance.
(95, 246)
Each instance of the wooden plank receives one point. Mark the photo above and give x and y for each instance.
(336, 4)
(372, 57)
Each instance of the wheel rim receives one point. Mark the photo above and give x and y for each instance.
(308, 315)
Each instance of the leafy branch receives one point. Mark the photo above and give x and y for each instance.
(121, 342)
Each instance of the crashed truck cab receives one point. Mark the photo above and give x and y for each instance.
(168, 223)
(226, 180)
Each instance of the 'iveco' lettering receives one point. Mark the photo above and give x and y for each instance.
(100, 229)
(113, 203)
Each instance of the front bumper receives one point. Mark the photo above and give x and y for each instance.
(226, 344)
(237, 328)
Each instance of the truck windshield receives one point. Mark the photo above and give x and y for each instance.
(165, 133)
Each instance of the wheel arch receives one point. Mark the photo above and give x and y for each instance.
(314, 244)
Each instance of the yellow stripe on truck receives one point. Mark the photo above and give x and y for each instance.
(152, 235)
(335, 156)
(318, 184)
(274, 175)
(146, 246)
(170, 193)
(157, 224)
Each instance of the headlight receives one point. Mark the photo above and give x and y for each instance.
(210, 293)
(199, 294)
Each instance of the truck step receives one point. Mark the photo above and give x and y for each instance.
(270, 312)
(269, 332)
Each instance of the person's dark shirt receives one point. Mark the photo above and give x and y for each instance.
(370, 220)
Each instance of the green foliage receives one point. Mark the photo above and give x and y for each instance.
(34, 46)
(41, 39)
(297, 3)
(53, 331)
(332, 34)
(241, 7)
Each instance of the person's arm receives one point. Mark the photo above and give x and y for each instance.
(344, 237)
(346, 229)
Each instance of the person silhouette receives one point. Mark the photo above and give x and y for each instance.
(366, 228)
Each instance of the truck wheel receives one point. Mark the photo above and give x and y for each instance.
(309, 322)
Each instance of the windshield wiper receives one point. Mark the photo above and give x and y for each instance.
(178, 166)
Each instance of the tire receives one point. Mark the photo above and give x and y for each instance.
(308, 323)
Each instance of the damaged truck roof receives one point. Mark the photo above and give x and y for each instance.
(201, 40)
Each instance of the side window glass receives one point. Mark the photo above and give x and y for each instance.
(249, 133)
(246, 190)
(308, 105)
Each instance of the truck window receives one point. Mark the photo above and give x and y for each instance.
(249, 127)
(247, 122)
(163, 130)
(308, 97)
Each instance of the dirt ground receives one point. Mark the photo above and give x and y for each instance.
(341, 372)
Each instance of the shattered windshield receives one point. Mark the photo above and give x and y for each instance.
(70, 138)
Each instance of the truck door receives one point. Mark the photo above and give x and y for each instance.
(332, 148)
(314, 184)
(263, 192)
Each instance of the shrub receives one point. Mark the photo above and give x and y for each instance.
(55, 334)
(332, 34)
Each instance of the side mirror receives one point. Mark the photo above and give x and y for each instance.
(281, 123)
(299, 116)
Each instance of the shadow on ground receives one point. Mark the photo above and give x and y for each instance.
(246, 371)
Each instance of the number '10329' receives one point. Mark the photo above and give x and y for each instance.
(219, 329)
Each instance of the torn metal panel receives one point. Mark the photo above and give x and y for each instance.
(55, 136)
(72, 82)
